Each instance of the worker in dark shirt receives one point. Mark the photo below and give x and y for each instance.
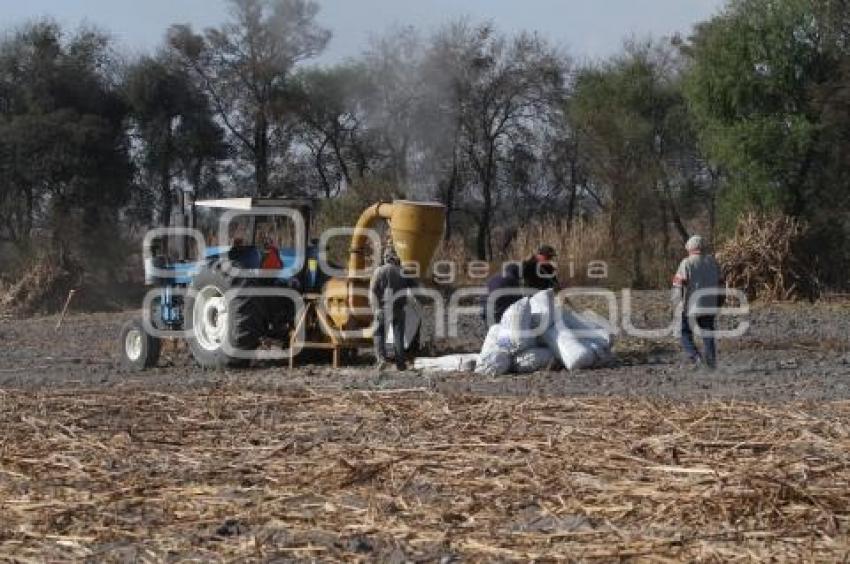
(538, 272)
(508, 284)
(388, 305)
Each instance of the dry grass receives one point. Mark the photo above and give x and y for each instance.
(578, 246)
(43, 287)
(765, 259)
(310, 474)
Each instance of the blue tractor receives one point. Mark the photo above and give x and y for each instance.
(261, 243)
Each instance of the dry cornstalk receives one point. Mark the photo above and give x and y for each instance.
(765, 259)
(233, 475)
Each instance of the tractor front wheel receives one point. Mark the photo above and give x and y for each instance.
(224, 331)
(139, 350)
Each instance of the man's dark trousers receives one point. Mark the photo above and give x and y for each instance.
(706, 323)
(380, 336)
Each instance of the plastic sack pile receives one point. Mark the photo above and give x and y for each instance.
(534, 332)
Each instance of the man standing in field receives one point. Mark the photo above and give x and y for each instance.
(697, 283)
(388, 281)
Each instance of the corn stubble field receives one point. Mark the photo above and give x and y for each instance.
(643, 461)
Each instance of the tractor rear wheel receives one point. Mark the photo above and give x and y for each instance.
(139, 350)
(224, 331)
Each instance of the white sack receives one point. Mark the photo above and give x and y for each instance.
(412, 322)
(579, 342)
(600, 339)
(494, 364)
(493, 360)
(532, 360)
(491, 341)
(585, 328)
(602, 350)
(515, 335)
(542, 309)
(574, 353)
(450, 363)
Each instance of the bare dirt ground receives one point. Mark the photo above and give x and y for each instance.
(643, 460)
(790, 352)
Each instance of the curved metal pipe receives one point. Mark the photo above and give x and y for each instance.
(357, 250)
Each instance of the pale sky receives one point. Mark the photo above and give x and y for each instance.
(584, 28)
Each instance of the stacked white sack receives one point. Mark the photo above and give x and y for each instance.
(573, 353)
(532, 360)
(543, 309)
(493, 360)
(515, 333)
(511, 345)
(578, 342)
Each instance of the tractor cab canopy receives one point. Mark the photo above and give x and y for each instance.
(256, 221)
(247, 204)
(257, 235)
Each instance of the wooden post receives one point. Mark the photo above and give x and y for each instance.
(65, 309)
(294, 336)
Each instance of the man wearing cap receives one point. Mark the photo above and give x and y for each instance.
(538, 272)
(386, 297)
(699, 271)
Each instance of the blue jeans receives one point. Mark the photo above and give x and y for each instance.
(706, 323)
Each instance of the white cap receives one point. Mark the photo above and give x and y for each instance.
(695, 243)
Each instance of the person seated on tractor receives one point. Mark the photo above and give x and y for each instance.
(508, 284)
(538, 271)
(271, 256)
(386, 294)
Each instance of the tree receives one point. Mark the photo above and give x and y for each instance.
(244, 65)
(440, 116)
(63, 154)
(563, 172)
(768, 90)
(753, 68)
(392, 68)
(638, 146)
(501, 88)
(173, 122)
(327, 106)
